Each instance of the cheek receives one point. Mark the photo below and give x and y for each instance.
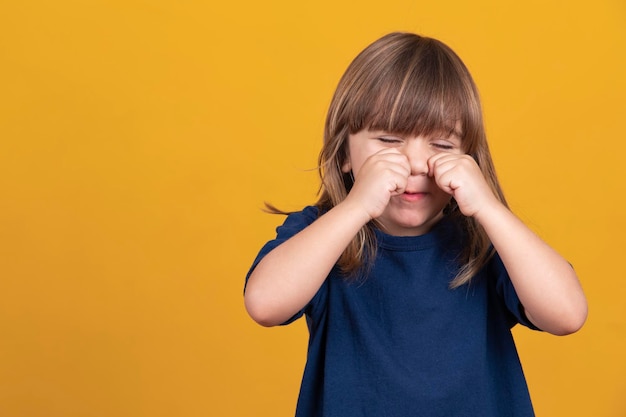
(354, 165)
(355, 160)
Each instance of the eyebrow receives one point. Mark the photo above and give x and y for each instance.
(457, 133)
(448, 132)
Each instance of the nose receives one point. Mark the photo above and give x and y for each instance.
(418, 153)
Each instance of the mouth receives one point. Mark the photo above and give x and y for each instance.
(413, 196)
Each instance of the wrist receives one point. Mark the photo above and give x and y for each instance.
(354, 212)
(490, 212)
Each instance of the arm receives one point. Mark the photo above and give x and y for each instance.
(545, 283)
(288, 277)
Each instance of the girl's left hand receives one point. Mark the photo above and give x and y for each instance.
(460, 176)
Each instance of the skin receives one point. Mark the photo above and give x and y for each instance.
(404, 183)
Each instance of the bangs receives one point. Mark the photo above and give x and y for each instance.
(421, 91)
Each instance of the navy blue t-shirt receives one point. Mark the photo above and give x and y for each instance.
(401, 343)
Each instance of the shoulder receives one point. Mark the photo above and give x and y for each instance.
(298, 220)
(294, 223)
(308, 215)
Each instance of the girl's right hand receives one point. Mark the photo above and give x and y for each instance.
(382, 175)
(290, 275)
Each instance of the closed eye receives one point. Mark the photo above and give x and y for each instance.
(443, 146)
(389, 140)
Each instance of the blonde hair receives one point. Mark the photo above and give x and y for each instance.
(405, 84)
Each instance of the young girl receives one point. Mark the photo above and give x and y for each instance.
(410, 268)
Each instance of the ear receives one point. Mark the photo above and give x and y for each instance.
(347, 166)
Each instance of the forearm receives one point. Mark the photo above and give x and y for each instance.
(289, 276)
(545, 282)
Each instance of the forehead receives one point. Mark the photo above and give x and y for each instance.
(417, 106)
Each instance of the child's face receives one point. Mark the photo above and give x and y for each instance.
(421, 206)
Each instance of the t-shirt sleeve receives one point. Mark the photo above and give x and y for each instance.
(508, 295)
(293, 224)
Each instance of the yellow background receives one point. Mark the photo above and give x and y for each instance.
(139, 139)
